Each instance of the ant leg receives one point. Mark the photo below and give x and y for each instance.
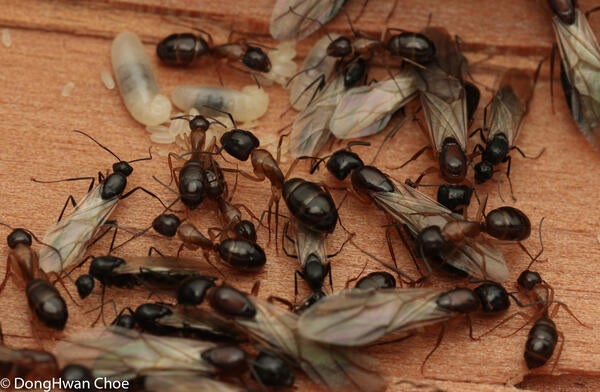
(139, 188)
(289, 238)
(113, 225)
(561, 337)
(273, 299)
(6, 275)
(62, 283)
(121, 313)
(591, 11)
(437, 345)
(416, 183)
(414, 157)
(506, 320)
(155, 250)
(342, 246)
(539, 154)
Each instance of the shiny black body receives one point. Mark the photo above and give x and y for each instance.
(494, 298)
(192, 291)
(256, 59)
(377, 280)
(245, 230)
(114, 185)
(242, 254)
(459, 300)
(272, 371)
(311, 205)
(228, 359)
(342, 162)
(370, 179)
(77, 375)
(166, 224)
(47, 303)
(43, 298)
(192, 184)
(214, 181)
(355, 72)
(454, 197)
(453, 161)
(231, 302)
(507, 223)
(85, 285)
(181, 49)
(529, 279)
(414, 46)
(541, 343)
(239, 143)
(340, 47)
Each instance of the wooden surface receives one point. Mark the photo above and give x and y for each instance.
(54, 43)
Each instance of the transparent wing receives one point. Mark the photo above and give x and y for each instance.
(448, 56)
(359, 317)
(160, 264)
(309, 242)
(204, 322)
(317, 67)
(366, 110)
(119, 353)
(310, 130)
(71, 235)
(174, 382)
(509, 104)
(417, 211)
(580, 55)
(444, 105)
(337, 368)
(300, 23)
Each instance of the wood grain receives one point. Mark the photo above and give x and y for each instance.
(61, 41)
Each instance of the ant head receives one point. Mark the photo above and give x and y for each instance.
(102, 267)
(315, 272)
(166, 224)
(483, 171)
(432, 245)
(564, 9)
(529, 279)
(18, 236)
(193, 290)
(199, 122)
(85, 285)
(340, 47)
(342, 163)
(256, 59)
(239, 143)
(245, 229)
(493, 297)
(123, 168)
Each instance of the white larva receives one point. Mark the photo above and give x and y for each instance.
(67, 89)
(6, 39)
(246, 105)
(107, 79)
(137, 82)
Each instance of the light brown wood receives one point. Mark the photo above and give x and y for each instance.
(58, 42)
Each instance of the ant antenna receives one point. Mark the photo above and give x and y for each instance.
(148, 158)
(98, 143)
